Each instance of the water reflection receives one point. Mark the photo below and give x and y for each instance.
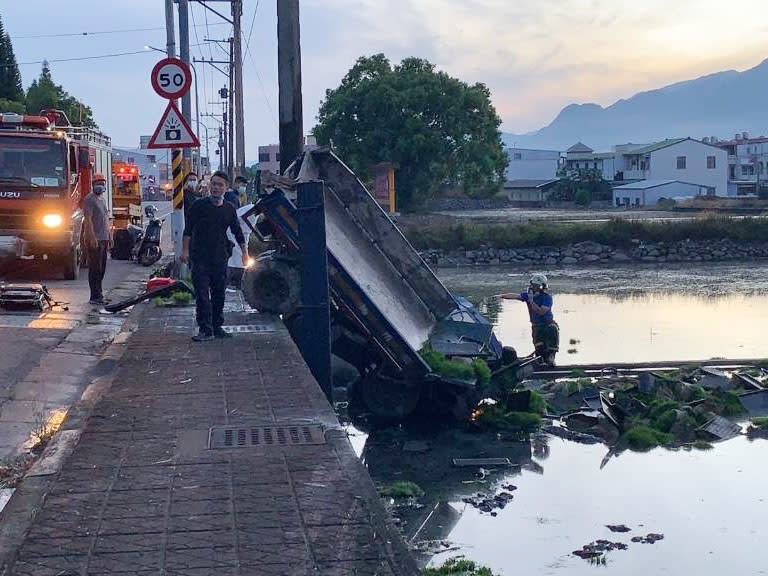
(646, 327)
(711, 506)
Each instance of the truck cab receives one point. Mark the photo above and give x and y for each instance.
(45, 171)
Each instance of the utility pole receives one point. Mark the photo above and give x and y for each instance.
(177, 218)
(231, 143)
(237, 11)
(186, 101)
(289, 81)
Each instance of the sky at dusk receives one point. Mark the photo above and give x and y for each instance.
(535, 56)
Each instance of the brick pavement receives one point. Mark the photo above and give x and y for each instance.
(143, 494)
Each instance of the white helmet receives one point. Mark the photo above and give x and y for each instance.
(539, 280)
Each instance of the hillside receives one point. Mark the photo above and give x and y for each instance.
(718, 104)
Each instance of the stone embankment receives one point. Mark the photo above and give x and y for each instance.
(596, 253)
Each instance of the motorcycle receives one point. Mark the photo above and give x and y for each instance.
(147, 249)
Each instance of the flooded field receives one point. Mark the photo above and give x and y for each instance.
(674, 511)
(635, 314)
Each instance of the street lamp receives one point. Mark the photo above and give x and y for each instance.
(197, 102)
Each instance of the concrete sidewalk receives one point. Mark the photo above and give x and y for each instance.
(280, 491)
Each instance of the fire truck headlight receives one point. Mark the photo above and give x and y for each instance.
(52, 220)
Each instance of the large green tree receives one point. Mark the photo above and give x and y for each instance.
(45, 93)
(435, 129)
(10, 78)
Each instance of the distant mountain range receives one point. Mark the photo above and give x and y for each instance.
(719, 104)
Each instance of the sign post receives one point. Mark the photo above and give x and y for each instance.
(172, 79)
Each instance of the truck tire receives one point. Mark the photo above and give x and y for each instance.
(72, 263)
(272, 286)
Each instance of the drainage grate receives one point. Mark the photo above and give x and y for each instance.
(249, 328)
(223, 437)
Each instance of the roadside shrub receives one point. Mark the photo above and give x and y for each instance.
(458, 567)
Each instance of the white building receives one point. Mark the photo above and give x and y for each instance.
(747, 163)
(679, 159)
(530, 164)
(580, 159)
(649, 192)
(269, 156)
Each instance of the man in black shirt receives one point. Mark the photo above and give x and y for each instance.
(205, 240)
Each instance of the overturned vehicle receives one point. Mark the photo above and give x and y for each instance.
(389, 313)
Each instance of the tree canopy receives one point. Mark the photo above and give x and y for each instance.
(10, 78)
(435, 129)
(45, 93)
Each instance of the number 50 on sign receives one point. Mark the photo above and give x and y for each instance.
(171, 78)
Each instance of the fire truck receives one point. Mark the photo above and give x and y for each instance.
(46, 166)
(126, 195)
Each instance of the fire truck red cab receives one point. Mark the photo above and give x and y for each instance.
(46, 165)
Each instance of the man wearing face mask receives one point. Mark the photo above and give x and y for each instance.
(96, 235)
(192, 192)
(241, 187)
(233, 196)
(206, 243)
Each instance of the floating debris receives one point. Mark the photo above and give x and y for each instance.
(489, 504)
(651, 538)
(618, 528)
(598, 548)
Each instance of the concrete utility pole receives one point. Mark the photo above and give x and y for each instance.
(231, 143)
(186, 100)
(289, 81)
(177, 218)
(237, 11)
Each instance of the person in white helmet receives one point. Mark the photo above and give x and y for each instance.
(545, 331)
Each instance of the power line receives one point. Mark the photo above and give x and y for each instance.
(256, 68)
(253, 21)
(95, 33)
(116, 54)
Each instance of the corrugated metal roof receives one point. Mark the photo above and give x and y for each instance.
(529, 183)
(657, 146)
(646, 184)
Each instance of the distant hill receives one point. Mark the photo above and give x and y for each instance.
(719, 104)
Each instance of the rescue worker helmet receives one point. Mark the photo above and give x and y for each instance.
(539, 280)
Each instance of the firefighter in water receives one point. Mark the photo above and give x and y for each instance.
(97, 237)
(545, 331)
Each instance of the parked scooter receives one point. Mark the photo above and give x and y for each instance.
(147, 249)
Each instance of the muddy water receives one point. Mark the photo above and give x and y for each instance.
(636, 314)
(711, 507)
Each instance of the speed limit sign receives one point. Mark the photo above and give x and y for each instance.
(171, 78)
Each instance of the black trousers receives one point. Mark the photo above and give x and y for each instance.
(210, 281)
(97, 265)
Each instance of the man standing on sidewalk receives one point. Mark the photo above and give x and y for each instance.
(205, 240)
(96, 235)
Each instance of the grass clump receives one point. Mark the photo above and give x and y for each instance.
(702, 445)
(401, 489)
(458, 567)
(495, 418)
(760, 422)
(181, 297)
(477, 370)
(642, 438)
(537, 404)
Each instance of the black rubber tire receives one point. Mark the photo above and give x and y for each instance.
(150, 255)
(272, 286)
(71, 263)
(389, 399)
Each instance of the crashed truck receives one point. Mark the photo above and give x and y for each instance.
(386, 304)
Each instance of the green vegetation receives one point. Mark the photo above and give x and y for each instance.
(618, 233)
(476, 371)
(643, 438)
(181, 297)
(401, 490)
(537, 405)
(178, 298)
(760, 422)
(45, 93)
(495, 418)
(11, 90)
(702, 445)
(436, 130)
(458, 567)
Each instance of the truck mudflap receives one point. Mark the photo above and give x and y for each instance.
(377, 280)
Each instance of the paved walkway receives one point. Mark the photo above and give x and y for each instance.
(144, 494)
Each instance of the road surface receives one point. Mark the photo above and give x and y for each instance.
(47, 357)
